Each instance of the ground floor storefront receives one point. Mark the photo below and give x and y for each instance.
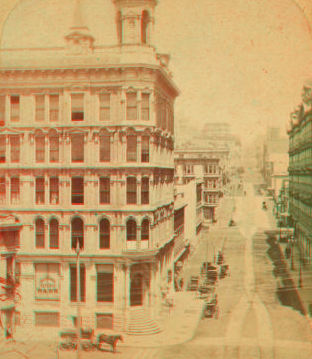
(110, 290)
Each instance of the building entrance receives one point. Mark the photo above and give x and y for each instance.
(136, 290)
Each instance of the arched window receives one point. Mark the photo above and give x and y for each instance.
(145, 190)
(144, 26)
(131, 230)
(77, 232)
(145, 230)
(39, 233)
(54, 233)
(104, 234)
(131, 190)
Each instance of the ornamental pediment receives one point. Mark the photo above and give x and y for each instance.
(7, 219)
(10, 132)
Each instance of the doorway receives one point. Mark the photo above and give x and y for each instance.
(136, 290)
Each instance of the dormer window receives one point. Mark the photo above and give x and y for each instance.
(77, 107)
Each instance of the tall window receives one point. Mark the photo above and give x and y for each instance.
(39, 233)
(119, 27)
(145, 106)
(2, 149)
(77, 148)
(77, 190)
(2, 190)
(15, 149)
(54, 233)
(131, 148)
(105, 283)
(77, 113)
(54, 147)
(132, 106)
(104, 107)
(15, 108)
(131, 230)
(104, 148)
(145, 149)
(2, 109)
(104, 234)
(54, 107)
(15, 190)
(77, 233)
(54, 190)
(144, 26)
(40, 190)
(73, 283)
(40, 107)
(145, 230)
(145, 191)
(104, 190)
(131, 190)
(40, 147)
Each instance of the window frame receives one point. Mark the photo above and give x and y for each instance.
(79, 192)
(132, 148)
(15, 189)
(77, 151)
(3, 149)
(54, 237)
(15, 149)
(131, 190)
(54, 189)
(39, 190)
(145, 190)
(77, 234)
(105, 106)
(145, 149)
(132, 106)
(105, 148)
(40, 148)
(40, 235)
(15, 117)
(39, 108)
(104, 190)
(104, 234)
(77, 113)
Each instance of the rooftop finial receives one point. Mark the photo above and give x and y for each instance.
(79, 19)
(79, 39)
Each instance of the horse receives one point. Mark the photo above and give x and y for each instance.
(109, 339)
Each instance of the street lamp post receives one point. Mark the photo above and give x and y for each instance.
(292, 253)
(78, 300)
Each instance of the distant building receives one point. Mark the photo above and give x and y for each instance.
(203, 166)
(300, 173)
(275, 160)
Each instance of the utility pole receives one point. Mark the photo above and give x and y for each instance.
(78, 300)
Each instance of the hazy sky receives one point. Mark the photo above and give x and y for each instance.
(238, 61)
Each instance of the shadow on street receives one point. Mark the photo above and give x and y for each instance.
(286, 291)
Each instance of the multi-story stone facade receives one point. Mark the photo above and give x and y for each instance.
(86, 158)
(300, 173)
(205, 167)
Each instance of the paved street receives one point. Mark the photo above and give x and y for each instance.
(254, 322)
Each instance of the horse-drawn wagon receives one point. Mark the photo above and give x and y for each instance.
(68, 339)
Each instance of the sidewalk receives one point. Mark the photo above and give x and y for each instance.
(303, 280)
(180, 325)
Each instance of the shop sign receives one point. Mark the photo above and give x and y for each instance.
(47, 288)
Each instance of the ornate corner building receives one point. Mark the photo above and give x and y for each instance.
(86, 156)
(300, 174)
